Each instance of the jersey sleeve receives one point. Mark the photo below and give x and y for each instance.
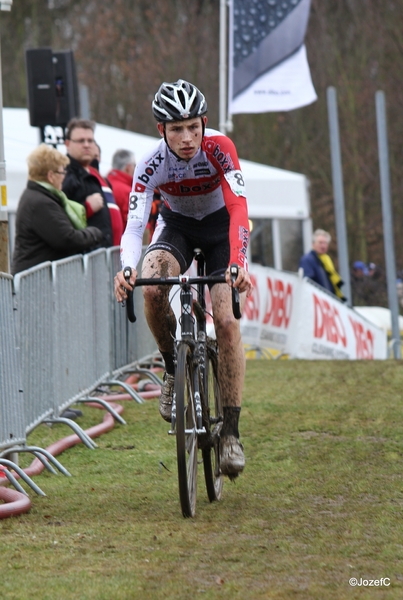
(145, 180)
(223, 155)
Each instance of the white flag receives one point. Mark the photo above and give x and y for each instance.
(269, 70)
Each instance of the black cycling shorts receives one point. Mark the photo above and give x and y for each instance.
(181, 235)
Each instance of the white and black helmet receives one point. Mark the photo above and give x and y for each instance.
(178, 101)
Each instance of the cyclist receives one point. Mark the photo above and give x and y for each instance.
(203, 206)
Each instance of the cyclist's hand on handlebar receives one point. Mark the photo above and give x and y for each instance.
(121, 285)
(242, 282)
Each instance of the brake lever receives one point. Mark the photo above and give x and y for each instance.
(236, 305)
(127, 271)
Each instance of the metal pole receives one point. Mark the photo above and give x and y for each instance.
(223, 67)
(277, 254)
(387, 220)
(225, 122)
(4, 262)
(339, 210)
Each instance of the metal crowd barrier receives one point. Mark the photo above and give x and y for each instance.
(34, 300)
(130, 341)
(122, 344)
(12, 416)
(74, 370)
(62, 334)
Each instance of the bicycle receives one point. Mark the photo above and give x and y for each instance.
(197, 413)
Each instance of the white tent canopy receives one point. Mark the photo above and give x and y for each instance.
(272, 193)
(379, 316)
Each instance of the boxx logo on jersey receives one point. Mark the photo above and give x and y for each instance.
(193, 187)
(244, 238)
(151, 168)
(224, 160)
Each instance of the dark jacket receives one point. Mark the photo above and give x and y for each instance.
(43, 230)
(314, 269)
(77, 185)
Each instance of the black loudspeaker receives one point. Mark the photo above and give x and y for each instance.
(41, 86)
(66, 88)
(52, 87)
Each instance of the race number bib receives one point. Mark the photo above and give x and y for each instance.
(137, 204)
(236, 182)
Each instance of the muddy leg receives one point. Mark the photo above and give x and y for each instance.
(160, 317)
(231, 365)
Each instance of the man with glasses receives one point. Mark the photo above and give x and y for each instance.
(80, 184)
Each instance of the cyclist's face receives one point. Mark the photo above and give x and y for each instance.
(184, 137)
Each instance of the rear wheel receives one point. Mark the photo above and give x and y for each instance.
(210, 453)
(186, 436)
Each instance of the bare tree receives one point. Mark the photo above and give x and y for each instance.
(125, 49)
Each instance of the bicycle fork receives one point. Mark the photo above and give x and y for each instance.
(187, 323)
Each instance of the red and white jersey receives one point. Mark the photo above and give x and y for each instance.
(209, 181)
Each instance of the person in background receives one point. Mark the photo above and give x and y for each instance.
(372, 269)
(360, 283)
(368, 285)
(80, 184)
(121, 178)
(114, 210)
(318, 266)
(48, 225)
(96, 161)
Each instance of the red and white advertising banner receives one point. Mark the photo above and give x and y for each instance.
(267, 313)
(322, 327)
(297, 318)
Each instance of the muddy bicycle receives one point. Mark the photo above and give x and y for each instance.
(197, 414)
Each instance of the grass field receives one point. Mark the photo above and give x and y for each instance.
(320, 501)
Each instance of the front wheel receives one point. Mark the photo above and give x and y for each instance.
(213, 408)
(186, 430)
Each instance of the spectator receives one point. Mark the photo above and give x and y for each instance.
(372, 269)
(360, 285)
(318, 266)
(121, 177)
(48, 225)
(368, 285)
(114, 210)
(82, 185)
(360, 269)
(96, 161)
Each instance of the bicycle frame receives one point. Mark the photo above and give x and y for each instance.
(190, 307)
